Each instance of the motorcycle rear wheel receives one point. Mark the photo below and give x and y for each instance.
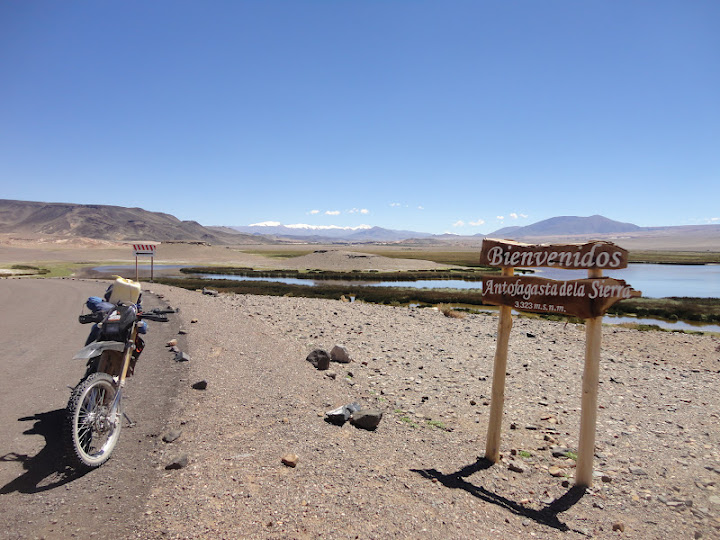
(92, 427)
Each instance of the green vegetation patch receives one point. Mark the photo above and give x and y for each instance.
(377, 295)
(25, 270)
(471, 257)
(436, 424)
(702, 310)
(408, 421)
(354, 275)
(674, 257)
(643, 327)
(278, 254)
(459, 258)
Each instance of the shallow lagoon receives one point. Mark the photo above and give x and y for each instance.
(658, 280)
(654, 280)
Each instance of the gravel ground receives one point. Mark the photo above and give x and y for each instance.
(417, 475)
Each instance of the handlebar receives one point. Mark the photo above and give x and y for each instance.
(152, 317)
(162, 311)
(88, 318)
(99, 316)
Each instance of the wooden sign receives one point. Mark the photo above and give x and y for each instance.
(584, 298)
(510, 254)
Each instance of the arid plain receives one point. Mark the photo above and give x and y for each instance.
(417, 475)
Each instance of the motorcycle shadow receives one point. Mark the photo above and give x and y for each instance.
(47, 469)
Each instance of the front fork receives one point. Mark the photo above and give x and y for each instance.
(115, 411)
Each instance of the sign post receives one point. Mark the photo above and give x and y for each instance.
(585, 298)
(492, 446)
(588, 407)
(145, 249)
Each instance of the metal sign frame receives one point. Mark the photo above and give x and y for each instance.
(145, 250)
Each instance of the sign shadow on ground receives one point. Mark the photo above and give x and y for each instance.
(47, 469)
(547, 516)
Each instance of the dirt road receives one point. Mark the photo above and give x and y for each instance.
(39, 496)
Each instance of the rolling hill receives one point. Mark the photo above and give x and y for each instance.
(106, 223)
(628, 235)
(116, 223)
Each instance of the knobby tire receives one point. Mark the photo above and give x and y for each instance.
(91, 429)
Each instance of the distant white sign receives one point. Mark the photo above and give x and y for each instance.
(144, 249)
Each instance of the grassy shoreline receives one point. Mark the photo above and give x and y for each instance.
(674, 257)
(475, 274)
(471, 258)
(694, 310)
(698, 310)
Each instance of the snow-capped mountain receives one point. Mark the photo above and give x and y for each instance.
(300, 231)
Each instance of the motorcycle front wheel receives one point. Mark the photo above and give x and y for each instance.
(92, 424)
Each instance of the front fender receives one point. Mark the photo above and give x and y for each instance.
(97, 347)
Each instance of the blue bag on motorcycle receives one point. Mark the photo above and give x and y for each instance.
(95, 304)
(117, 324)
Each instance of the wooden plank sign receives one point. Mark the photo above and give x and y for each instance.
(584, 298)
(511, 254)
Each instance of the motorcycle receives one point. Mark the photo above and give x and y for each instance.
(94, 412)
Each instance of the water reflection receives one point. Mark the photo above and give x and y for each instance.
(421, 284)
(654, 280)
(667, 325)
(620, 319)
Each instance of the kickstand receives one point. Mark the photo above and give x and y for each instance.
(130, 422)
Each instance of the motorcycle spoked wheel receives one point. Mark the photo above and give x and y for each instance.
(92, 428)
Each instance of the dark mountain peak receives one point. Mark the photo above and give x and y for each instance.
(568, 225)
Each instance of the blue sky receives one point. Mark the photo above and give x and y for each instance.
(453, 116)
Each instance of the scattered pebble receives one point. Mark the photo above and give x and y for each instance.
(180, 462)
(172, 435)
(366, 419)
(319, 358)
